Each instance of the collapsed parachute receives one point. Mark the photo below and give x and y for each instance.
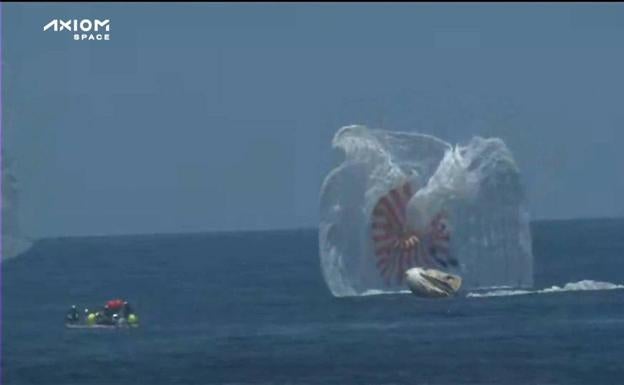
(402, 200)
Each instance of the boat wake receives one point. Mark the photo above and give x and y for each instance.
(585, 285)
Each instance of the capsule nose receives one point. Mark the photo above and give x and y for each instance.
(409, 273)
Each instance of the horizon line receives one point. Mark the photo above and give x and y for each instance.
(288, 229)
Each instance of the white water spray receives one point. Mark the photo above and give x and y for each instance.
(13, 241)
(477, 184)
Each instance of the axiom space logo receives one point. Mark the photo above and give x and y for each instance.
(85, 29)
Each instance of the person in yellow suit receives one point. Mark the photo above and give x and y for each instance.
(133, 320)
(91, 319)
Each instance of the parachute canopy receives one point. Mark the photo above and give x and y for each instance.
(402, 200)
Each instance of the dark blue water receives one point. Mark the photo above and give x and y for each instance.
(252, 308)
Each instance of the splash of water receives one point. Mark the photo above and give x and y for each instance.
(13, 241)
(476, 186)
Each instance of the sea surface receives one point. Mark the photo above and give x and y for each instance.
(252, 308)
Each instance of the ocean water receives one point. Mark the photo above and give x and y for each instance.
(252, 308)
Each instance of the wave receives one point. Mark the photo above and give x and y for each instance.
(585, 285)
(395, 198)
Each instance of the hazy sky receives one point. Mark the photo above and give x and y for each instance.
(219, 116)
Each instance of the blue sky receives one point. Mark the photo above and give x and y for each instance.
(201, 117)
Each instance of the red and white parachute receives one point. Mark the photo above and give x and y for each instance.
(398, 245)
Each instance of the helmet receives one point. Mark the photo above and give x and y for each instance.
(133, 319)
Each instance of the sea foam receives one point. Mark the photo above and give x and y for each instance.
(585, 285)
